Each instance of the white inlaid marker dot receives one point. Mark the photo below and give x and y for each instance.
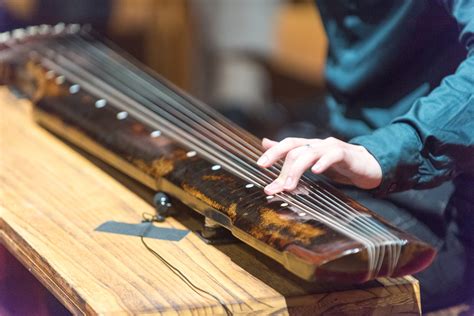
(302, 214)
(60, 80)
(249, 185)
(155, 134)
(50, 74)
(191, 153)
(284, 204)
(4, 37)
(122, 115)
(269, 197)
(74, 89)
(100, 103)
(216, 167)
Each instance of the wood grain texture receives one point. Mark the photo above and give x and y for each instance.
(52, 199)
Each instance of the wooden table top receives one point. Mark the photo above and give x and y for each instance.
(52, 198)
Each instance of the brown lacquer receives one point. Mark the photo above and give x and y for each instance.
(307, 247)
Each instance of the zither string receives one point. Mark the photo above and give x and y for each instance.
(180, 135)
(102, 61)
(211, 135)
(224, 134)
(184, 98)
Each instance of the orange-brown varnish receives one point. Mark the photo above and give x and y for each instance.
(138, 128)
(158, 168)
(201, 196)
(212, 178)
(232, 211)
(179, 154)
(270, 220)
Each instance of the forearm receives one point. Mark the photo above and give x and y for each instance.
(434, 141)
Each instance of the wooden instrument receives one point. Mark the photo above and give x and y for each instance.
(101, 100)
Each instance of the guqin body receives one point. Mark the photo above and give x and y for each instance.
(102, 101)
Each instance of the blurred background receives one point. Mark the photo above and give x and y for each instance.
(259, 62)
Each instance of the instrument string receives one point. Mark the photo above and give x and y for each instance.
(217, 139)
(223, 133)
(140, 78)
(179, 135)
(380, 229)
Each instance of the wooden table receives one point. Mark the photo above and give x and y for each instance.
(52, 199)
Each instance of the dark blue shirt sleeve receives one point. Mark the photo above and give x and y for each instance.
(434, 141)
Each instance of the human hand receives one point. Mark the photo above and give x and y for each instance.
(340, 161)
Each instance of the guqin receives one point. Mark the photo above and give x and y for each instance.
(98, 98)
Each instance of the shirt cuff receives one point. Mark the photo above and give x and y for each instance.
(397, 149)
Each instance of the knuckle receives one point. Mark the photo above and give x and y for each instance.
(293, 183)
(332, 140)
(290, 141)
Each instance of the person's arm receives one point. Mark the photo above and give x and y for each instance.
(433, 142)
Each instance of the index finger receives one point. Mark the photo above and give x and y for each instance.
(279, 151)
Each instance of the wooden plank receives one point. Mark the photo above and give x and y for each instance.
(52, 199)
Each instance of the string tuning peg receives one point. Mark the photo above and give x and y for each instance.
(32, 30)
(19, 34)
(44, 29)
(4, 37)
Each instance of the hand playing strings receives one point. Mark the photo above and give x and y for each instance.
(343, 162)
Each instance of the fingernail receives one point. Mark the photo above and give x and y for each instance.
(262, 160)
(288, 183)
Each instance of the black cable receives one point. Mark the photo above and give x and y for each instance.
(176, 271)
